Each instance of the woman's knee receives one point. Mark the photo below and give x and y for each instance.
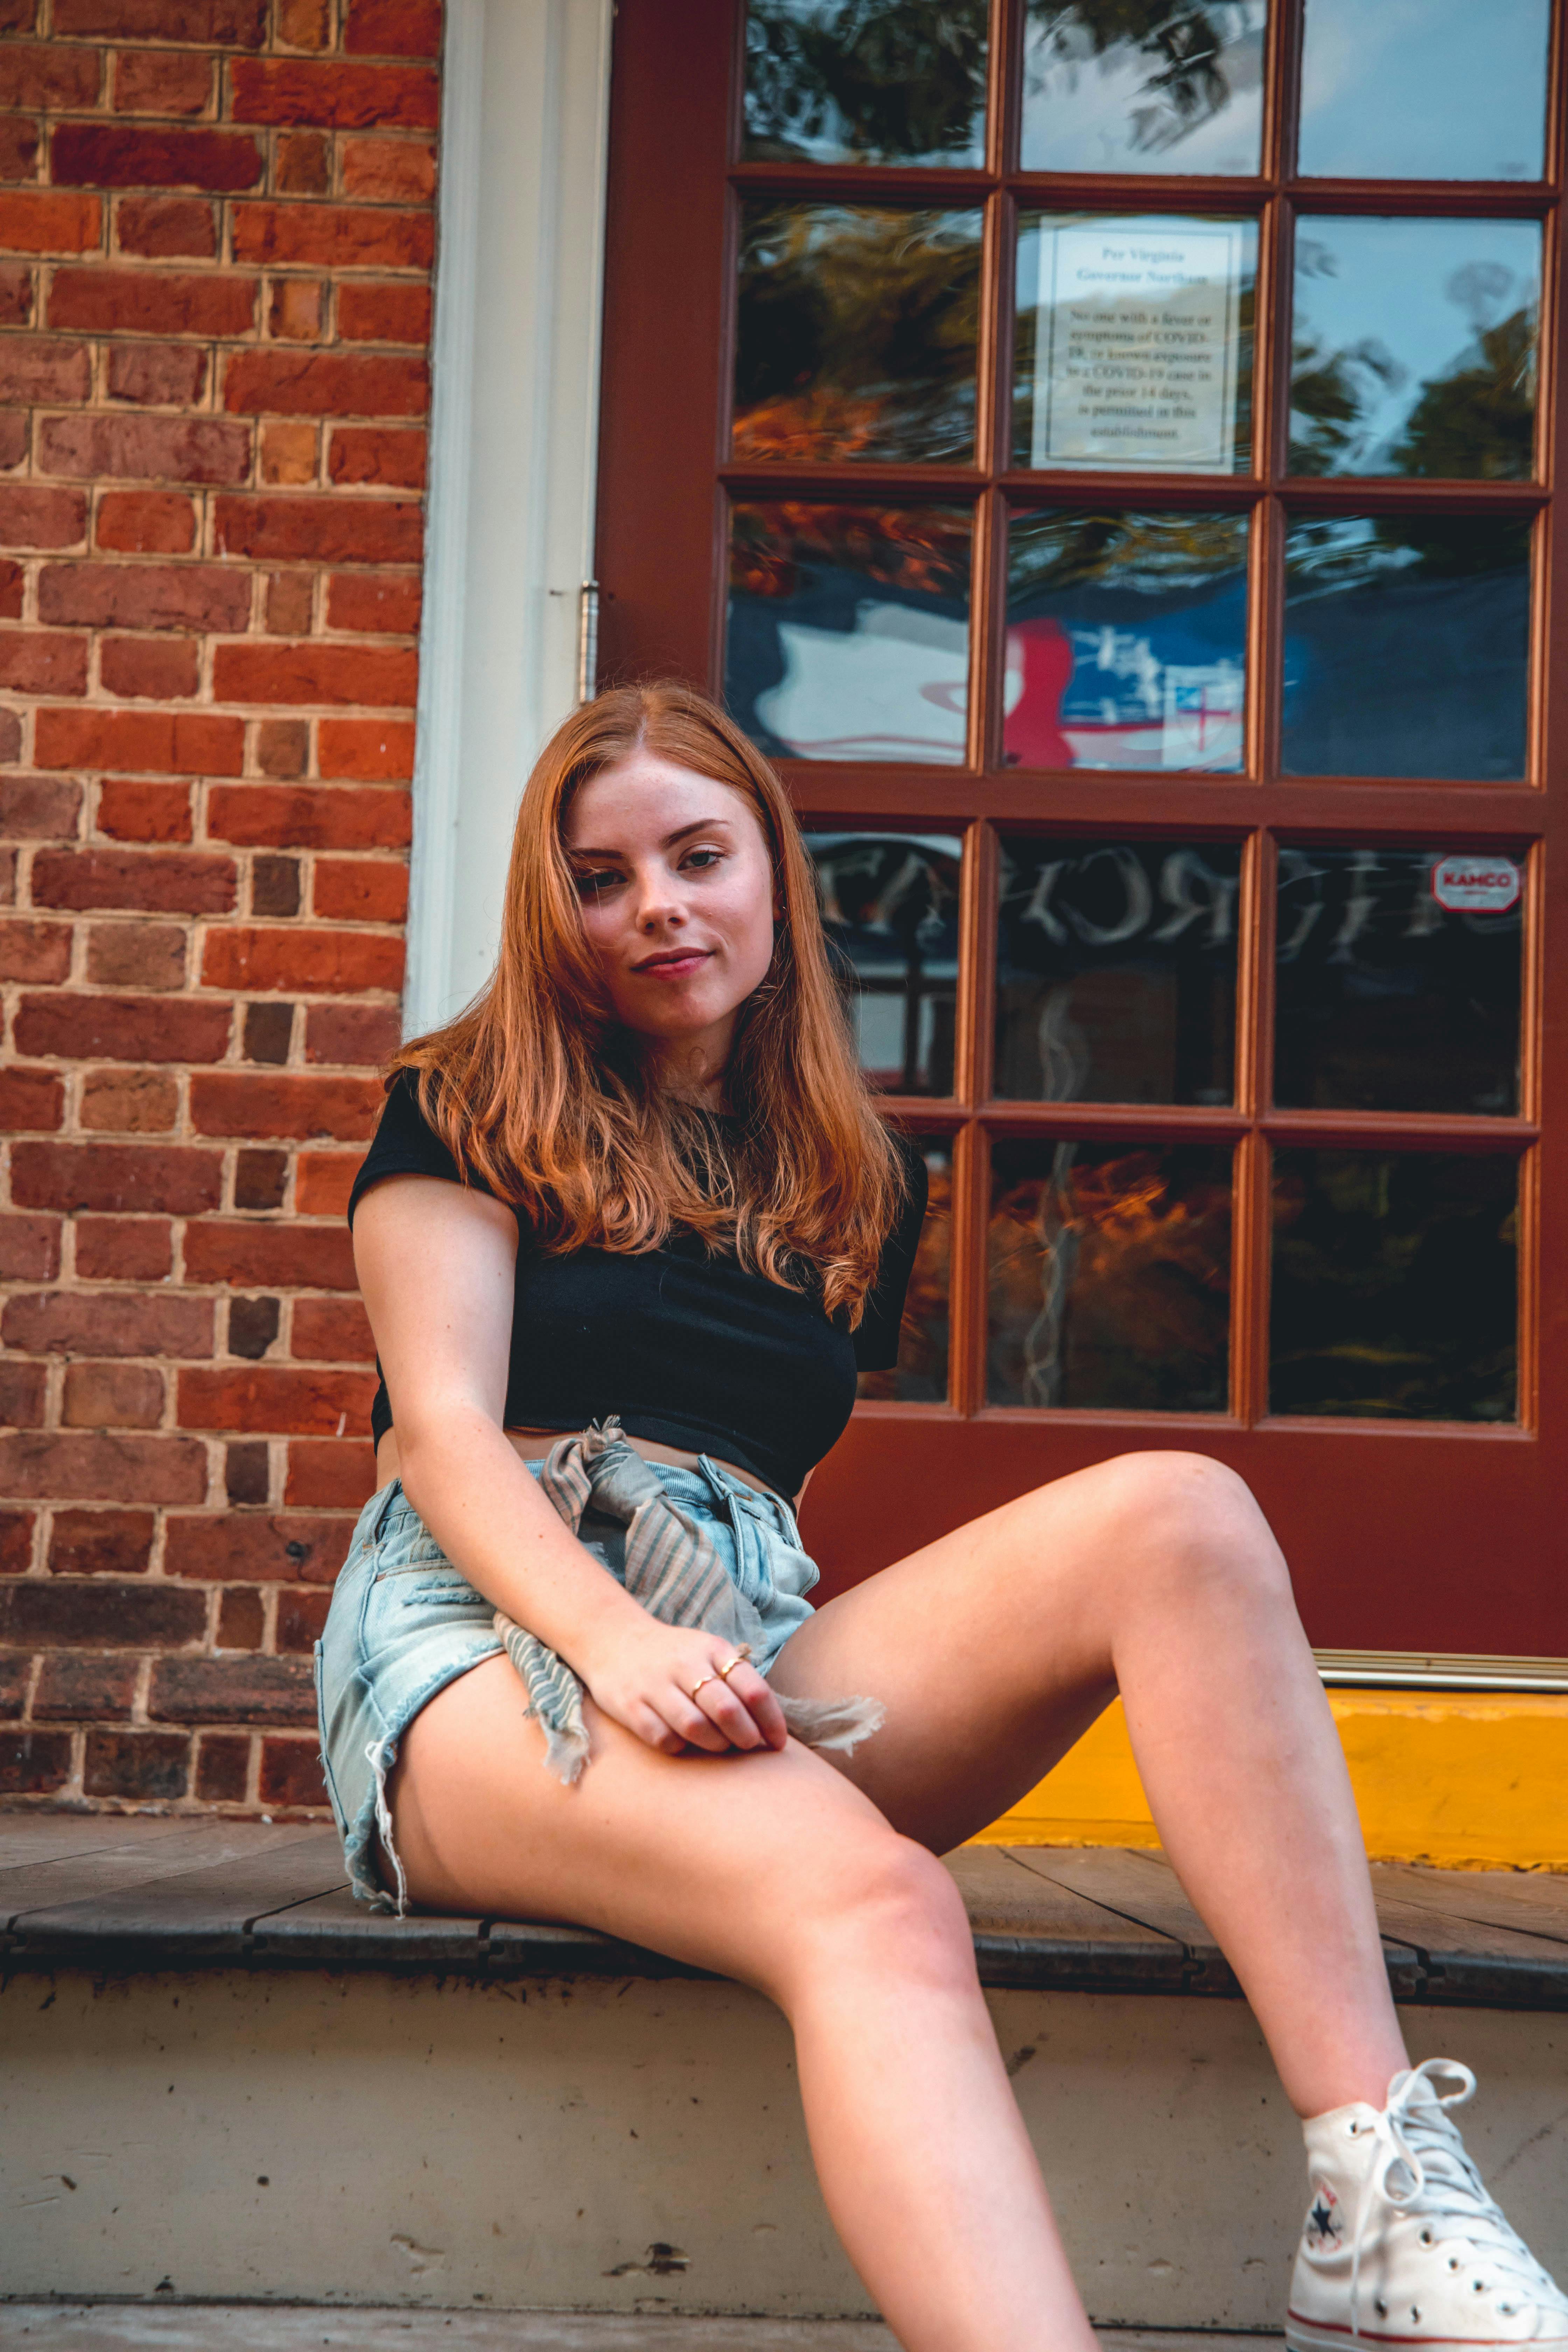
(1187, 1519)
(884, 1906)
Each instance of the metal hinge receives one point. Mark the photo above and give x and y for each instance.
(587, 640)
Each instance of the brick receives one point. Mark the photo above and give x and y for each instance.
(40, 808)
(275, 886)
(100, 1543)
(34, 951)
(307, 1258)
(290, 1775)
(331, 1330)
(10, 749)
(289, 599)
(22, 1395)
(260, 1179)
(48, 76)
(282, 1549)
(13, 585)
(310, 817)
(145, 741)
(232, 1690)
(42, 1466)
(357, 1034)
(42, 661)
(162, 81)
(337, 963)
(285, 1399)
(253, 1327)
(322, 530)
(325, 236)
(226, 23)
(124, 1249)
(389, 171)
(209, 449)
(323, 1181)
(377, 313)
(96, 1613)
(72, 1025)
(152, 303)
(20, 144)
(130, 1102)
(223, 1766)
(305, 24)
(146, 522)
(268, 1033)
(394, 460)
(112, 155)
(150, 1765)
(291, 454)
(33, 1763)
(29, 1098)
(34, 517)
(295, 312)
(302, 163)
(136, 955)
(325, 383)
(9, 853)
(167, 228)
(176, 1181)
(153, 375)
(158, 669)
(16, 310)
(394, 28)
(50, 220)
(129, 810)
(16, 1673)
(333, 97)
(189, 882)
(107, 1323)
(16, 1542)
(246, 1103)
(367, 751)
(45, 367)
(311, 672)
(79, 1685)
(301, 1617)
(241, 1620)
(113, 1396)
(29, 1248)
(146, 596)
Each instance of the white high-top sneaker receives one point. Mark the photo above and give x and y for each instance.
(1403, 2245)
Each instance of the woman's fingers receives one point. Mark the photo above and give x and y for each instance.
(723, 1708)
(747, 1686)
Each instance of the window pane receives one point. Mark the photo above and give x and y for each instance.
(920, 1377)
(1405, 646)
(1112, 88)
(855, 332)
(849, 630)
(1116, 971)
(866, 81)
(889, 905)
(1126, 640)
(1414, 347)
(1398, 980)
(1424, 89)
(1133, 344)
(1109, 1276)
(1395, 1285)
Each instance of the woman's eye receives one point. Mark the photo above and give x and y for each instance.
(593, 886)
(708, 856)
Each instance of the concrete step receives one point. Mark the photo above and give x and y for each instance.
(252, 2327)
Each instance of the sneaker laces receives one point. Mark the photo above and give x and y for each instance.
(1413, 2136)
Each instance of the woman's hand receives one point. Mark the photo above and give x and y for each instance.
(643, 1673)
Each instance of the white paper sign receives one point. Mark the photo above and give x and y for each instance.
(1476, 885)
(1136, 346)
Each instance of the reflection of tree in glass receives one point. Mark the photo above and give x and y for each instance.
(1049, 553)
(924, 550)
(871, 80)
(921, 1372)
(1190, 77)
(857, 334)
(1328, 554)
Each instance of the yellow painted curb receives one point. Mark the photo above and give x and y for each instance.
(1472, 1780)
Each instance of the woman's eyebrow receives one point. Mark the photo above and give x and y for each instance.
(702, 825)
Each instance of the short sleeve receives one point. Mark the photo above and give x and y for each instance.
(406, 1144)
(876, 1337)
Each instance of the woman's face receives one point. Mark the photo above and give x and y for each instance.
(676, 886)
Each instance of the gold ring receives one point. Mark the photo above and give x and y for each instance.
(742, 1654)
(697, 1685)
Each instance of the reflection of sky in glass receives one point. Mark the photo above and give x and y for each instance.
(1424, 89)
(889, 907)
(1402, 303)
(1095, 101)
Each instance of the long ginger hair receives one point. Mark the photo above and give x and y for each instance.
(542, 1092)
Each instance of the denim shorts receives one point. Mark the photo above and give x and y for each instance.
(404, 1622)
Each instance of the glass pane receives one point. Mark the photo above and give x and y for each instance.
(1395, 1284)
(1126, 640)
(1398, 980)
(1116, 971)
(1133, 345)
(1109, 88)
(889, 905)
(1406, 640)
(1414, 347)
(1424, 89)
(849, 630)
(1109, 1276)
(866, 81)
(855, 332)
(920, 1377)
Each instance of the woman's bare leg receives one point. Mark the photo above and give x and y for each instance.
(1156, 1574)
(773, 1868)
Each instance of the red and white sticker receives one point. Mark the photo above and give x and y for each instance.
(1476, 885)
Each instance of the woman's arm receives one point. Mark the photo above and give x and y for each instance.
(436, 1265)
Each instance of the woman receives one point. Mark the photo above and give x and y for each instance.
(641, 1179)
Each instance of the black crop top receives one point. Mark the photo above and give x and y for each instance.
(690, 1350)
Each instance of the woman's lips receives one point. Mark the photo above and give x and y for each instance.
(674, 967)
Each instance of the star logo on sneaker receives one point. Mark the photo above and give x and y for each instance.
(1324, 2231)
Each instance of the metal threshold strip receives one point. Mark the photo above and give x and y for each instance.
(1438, 1671)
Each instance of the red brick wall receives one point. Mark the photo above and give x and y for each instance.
(215, 240)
